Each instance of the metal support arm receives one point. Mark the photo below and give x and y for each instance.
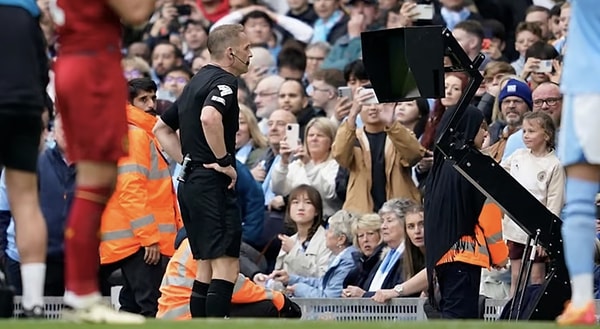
(498, 185)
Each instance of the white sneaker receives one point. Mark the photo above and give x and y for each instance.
(101, 313)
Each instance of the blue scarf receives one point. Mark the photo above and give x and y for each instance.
(242, 154)
(454, 17)
(266, 185)
(321, 29)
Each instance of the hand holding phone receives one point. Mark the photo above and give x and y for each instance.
(423, 12)
(367, 91)
(545, 66)
(292, 135)
(345, 92)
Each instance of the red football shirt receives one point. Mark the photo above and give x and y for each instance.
(89, 25)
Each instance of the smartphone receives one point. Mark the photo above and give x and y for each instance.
(425, 12)
(184, 10)
(545, 66)
(292, 135)
(372, 100)
(345, 92)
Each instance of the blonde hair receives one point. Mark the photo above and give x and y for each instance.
(137, 63)
(371, 222)
(414, 259)
(496, 112)
(496, 67)
(546, 123)
(323, 125)
(258, 139)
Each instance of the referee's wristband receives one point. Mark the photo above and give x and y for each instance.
(225, 161)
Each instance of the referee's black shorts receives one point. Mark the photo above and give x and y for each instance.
(24, 69)
(210, 214)
(20, 135)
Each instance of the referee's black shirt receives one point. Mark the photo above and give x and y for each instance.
(211, 86)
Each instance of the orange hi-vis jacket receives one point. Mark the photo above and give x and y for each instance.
(176, 288)
(488, 248)
(143, 210)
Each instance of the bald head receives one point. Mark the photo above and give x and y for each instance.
(548, 98)
(266, 95)
(271, 81)
(277, 123)
(545, 87)
(283, 115)
(261, 57)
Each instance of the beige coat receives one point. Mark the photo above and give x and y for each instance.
(402, 151)
(310, 263)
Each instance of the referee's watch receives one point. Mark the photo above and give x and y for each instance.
(225, 161)
(398, 289)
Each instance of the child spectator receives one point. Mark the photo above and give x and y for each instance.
(526, 35)
(538, 169)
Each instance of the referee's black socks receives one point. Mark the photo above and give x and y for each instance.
(218, 299)
(198, 299)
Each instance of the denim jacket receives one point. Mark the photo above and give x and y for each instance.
(331, 284)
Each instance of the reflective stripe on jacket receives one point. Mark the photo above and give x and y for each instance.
(487, 248)
(143, 209)
(176, 288)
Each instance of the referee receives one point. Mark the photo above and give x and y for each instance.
(208, 121)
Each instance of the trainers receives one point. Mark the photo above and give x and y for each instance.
(583, 316)
(101, 313)
(36, 312)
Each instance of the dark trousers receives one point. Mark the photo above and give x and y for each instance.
(141, 283)
(262, 309)
(55, 276)
(459, 290)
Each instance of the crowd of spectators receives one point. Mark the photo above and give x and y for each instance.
(339, 215)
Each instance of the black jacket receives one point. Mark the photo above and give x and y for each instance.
(453, 204)
(365, 265)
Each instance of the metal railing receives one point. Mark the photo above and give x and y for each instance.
(335, 309)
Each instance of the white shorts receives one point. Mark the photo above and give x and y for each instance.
(579, 137)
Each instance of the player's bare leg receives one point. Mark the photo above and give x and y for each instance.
(95, 184)
(31, 237)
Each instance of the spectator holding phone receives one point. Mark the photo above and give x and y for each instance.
(378, 156)
(526, 35)
(312, 165)
(541, 64)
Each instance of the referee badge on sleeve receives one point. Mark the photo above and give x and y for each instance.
(225, 90)
(218, 99)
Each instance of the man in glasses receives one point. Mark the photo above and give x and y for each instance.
(175, 80)
(546, 98)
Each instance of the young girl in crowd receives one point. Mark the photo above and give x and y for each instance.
(538, 169)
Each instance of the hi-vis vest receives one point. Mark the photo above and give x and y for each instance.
(143, 210)
(488, 248)
(176, 288)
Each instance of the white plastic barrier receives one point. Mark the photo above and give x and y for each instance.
(361, 309)
(336, 309)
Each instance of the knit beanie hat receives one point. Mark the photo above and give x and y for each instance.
(516, 88)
